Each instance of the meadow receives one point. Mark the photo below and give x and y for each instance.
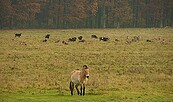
(35, 71)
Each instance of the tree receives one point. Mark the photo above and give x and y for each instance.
(24, 11)
(6, 12)
(92, 8)
(121, 13)
(85, 13)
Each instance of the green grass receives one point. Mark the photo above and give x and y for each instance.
(32, 70)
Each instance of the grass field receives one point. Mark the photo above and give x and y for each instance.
(36, 71)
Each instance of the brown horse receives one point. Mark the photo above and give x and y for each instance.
(79, 78)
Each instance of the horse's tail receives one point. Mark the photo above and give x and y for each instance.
(71, 87)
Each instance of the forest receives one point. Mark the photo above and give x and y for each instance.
(61, 14)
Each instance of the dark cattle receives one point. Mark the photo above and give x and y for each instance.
(47, 36)
(116, 39)
(82, 40)
(103, 38)
(72, 39)
(80, 37)
(94, 36)
(148, 40)
(18, 34)
(64, 42)
(45, 40)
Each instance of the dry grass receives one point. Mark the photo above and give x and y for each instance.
(27, 64)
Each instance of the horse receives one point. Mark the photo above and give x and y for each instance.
(79, 78)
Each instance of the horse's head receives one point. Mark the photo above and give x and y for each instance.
(86, 71)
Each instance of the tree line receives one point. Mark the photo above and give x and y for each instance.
(15, 14)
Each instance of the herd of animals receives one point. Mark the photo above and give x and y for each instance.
(128, 39)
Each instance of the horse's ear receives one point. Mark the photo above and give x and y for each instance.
(85, 67)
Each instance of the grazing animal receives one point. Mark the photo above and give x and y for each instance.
(103, 38)
(80, 37)
(157, 38)
(162, 41)
(57, 41)
(135, 38)
(128, 41)
(79, 78)
(64, 42)
(72, 39)
(82, 40)
(47, 36)
(18, 34)
(45, 40)
(94, 36)
(23, 43)
(148, 40)
(116, 39)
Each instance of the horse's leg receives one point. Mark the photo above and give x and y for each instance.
(83, 90)
(71, 87)
(77, 89)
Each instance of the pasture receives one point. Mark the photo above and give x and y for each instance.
(33, 70)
